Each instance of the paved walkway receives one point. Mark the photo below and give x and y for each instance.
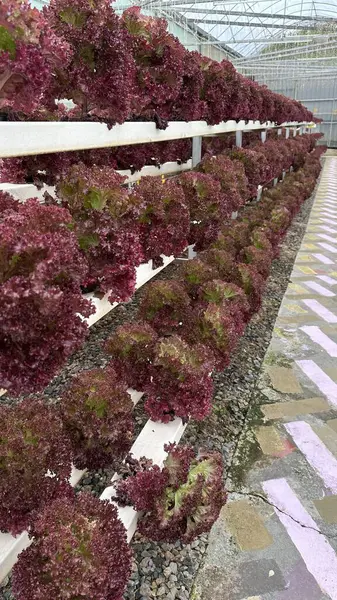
(277, 537)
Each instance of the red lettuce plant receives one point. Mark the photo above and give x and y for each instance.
(260, 240)
(251, 139)
(105, 224)
(194, 273)
(253, 285)
(267, 105)
(217, 326)
(232, 179)
(294, 152)
(12, 170)
(143, 474)
(132, 350)
(79, 550)
(224, 293)
(312, 166)
(233, 237)
(190, 104)
(279, 222)
(114, 68)
(159, 58)
(7, 204)
(181, 384)
(220, 261)
(217, 144)
(256, 167)
(242, 275)
(207, 204)
(30, 54)
(165, 221)
(165, 305)
(240, 99)
(301, 146)
(259, 258)
(97, 415)
(217, 88)
(32, 443)
(100, 78)
(274, 151)
(181, 500)
(41, 268)
(136, 157)
(38, 169)
(94, 188)
(254, 93)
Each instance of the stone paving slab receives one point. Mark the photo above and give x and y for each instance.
(276, 539)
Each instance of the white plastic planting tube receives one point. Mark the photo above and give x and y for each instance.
(10, 548)
(168, 168)
(26, 138)
(150, 443)
(24, 191)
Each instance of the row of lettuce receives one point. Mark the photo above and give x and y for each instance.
(186, 328)
(117, 68)
(93, 234)
(46, 168)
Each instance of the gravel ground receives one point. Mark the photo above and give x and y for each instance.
(168, 570)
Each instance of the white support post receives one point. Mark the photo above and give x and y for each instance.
(287, 133)
(279, 131)
(275, 182)
(263, 136)
(294, 132)
(190, 252)
(238, 143)
(187, 254)
(259, 193)
(238, 139)
(196, 150)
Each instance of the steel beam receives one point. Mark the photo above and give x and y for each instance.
(242, 13)
(269, 40)
(177, 4)
(249, 24)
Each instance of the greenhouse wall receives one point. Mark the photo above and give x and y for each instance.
(318, 95)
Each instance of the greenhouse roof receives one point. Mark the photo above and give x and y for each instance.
(295, 35)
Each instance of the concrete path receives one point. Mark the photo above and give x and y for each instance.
(276, 539)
